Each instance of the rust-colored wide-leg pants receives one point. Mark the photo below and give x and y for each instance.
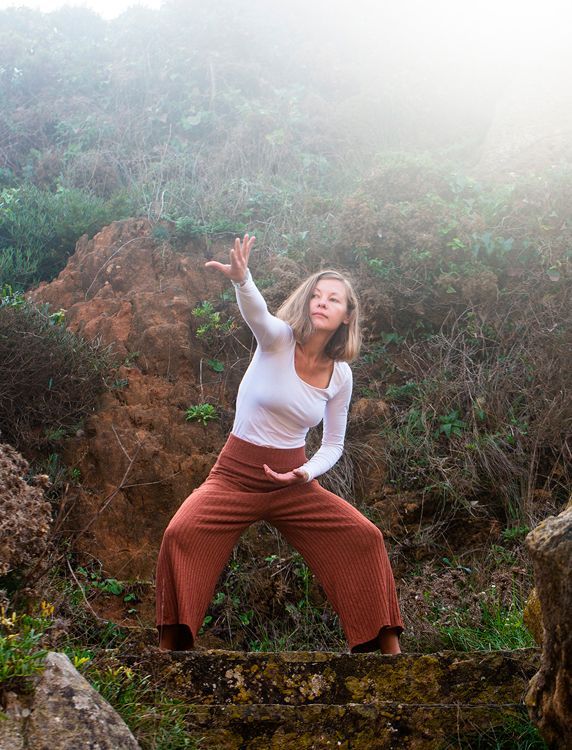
(345, 551)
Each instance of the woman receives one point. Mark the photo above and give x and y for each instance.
(298, 376)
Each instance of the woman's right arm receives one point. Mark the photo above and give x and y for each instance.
(270, 332)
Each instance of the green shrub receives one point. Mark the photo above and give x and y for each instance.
(156, 720)
(211, 323)
(285, 610)
(49, 377)
(187, 227)
(39, 230)
(481, 410)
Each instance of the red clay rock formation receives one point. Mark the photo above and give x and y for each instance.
(137, 455)
(135, 293)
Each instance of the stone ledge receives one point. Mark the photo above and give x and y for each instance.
(298, 678)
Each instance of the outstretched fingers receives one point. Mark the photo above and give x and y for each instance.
(239, 255)
(241, 251)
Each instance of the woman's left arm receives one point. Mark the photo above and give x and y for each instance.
(334, 432)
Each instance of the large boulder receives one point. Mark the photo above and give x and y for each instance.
(64, 712)
(549, 698)
(25, 514)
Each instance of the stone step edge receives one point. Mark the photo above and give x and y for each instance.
(316, 655)
(334, 706)
(320, 657)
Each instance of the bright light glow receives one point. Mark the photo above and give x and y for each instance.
(444, 35)
(511, 31)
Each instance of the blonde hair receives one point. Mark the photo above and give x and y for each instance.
(346, 341)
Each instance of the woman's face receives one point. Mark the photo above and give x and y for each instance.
(328, 307)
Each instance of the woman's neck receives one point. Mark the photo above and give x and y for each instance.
(314, 348)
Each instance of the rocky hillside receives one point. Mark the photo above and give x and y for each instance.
(178, 341)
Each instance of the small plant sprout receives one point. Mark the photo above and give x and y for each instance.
(202, 413)
(211, 323)
(216, 365)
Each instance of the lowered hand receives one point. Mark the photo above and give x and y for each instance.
(297, 476)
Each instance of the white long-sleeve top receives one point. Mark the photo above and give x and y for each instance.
(274, 406)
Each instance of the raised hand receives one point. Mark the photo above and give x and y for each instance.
(238, 266)
(297, 476)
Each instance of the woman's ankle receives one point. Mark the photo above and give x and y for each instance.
(389, 641)
(175, 638)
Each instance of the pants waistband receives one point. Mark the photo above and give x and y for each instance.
(262, 454)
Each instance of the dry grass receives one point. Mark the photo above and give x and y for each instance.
(501, 387)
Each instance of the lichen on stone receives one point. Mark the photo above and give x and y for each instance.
(237, 682)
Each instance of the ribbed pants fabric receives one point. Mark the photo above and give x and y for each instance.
(344, 550)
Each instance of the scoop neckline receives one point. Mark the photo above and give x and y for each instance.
(317, 387)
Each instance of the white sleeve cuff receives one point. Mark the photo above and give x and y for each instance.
(238, 284)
